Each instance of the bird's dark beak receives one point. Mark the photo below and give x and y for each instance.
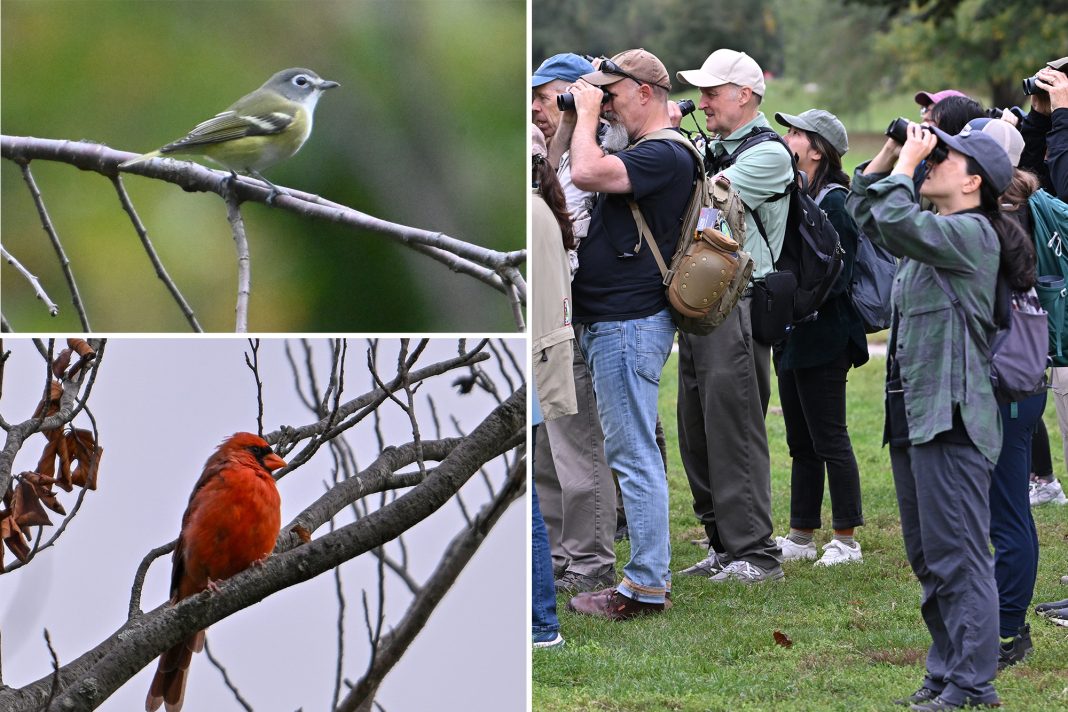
(327, 84)
(272, 462)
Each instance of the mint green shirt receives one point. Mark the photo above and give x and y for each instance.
(943, 367)
(763, 171)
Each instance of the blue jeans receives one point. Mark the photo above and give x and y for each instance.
(625, 360)
(543, 592)
(1012, 530)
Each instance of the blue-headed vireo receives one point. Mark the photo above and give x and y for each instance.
(258, 130)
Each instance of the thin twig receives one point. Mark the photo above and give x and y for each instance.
(226, 678)
(64, 262)
(53, 309)
(244, 263)
(254, 366)
(153, 256)
(56, 670)
(517, 305)
(338, 671)
(142, 571)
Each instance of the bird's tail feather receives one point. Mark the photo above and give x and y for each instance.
(168, 685)
(140, 159)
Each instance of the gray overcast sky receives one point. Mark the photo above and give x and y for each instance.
(162, 406)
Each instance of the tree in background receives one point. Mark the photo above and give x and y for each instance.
(681, 33)
(977, 44)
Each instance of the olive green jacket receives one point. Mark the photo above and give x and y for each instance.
(943, 367)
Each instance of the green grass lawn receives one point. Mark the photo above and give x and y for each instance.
(858, 640)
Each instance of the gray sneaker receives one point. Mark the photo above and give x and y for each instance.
(706, 567)
(1042, 492)
(747, 573)
(573, 583)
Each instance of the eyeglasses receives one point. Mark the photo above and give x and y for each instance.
(924, 110)
(609, 67)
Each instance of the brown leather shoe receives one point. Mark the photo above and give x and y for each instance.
(611, 604)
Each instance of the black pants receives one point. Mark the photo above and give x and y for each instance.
(814, 410)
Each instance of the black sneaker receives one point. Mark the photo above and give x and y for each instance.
(1015, 650)
(923, 694)
(1048, 609)
(939, 704)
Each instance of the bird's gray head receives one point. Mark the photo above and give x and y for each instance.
(299, 84)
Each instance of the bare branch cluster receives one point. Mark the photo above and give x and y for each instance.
(364, 509)
(66, 394)
(498, 270)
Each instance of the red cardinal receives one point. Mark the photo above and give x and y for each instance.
(231, 522)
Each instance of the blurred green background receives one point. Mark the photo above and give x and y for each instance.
(428, 129)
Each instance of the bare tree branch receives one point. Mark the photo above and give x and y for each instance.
(69, 407)
(53, 309)
(226, 678)
(458, 554)
(153, 256)
(95, 675)
(244, 262)
(254, 366)
(50, 229)
(498, 270)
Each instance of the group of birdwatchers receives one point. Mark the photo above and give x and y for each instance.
(602, 331)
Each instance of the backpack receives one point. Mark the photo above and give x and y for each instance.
(1050, 235)
(811, 253)
(873, 278)
(708, 271)
(1018, 358)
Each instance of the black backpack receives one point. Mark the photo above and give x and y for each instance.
(812, 254)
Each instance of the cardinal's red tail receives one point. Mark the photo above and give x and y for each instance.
(168, 686)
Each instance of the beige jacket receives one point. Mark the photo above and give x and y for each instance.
(552, 335)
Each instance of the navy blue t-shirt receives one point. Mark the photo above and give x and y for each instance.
(613, 283)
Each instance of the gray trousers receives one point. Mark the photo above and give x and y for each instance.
(576, 490)
(943, 494)
(724, 389)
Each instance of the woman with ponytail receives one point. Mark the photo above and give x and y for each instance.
(813, 364)
(942, 421)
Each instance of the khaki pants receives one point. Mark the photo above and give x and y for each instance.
(1059, 382)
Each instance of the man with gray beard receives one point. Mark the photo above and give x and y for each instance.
(619, 296)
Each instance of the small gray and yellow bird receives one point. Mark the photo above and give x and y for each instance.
(258, 130)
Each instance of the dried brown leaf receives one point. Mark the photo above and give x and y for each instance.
(304, 534)
(782, 639)
(51, 406)
(12, 536)
(82, 348)
(43, 487)
(27, 508)
(59, 365)
(81, 447)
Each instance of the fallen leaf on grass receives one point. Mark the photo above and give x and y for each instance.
(782, 639)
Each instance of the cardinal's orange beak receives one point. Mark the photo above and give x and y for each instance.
(272, 462)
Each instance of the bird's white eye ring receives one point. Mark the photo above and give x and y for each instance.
(300, 80)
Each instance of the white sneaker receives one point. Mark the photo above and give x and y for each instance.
(791, 550)
(1043, 492)
(746, 572)
(838, 552)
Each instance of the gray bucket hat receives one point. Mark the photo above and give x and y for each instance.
(819, 122)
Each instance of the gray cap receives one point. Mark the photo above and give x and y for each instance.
(1005, 133)
(994, 163)
(819, 122)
